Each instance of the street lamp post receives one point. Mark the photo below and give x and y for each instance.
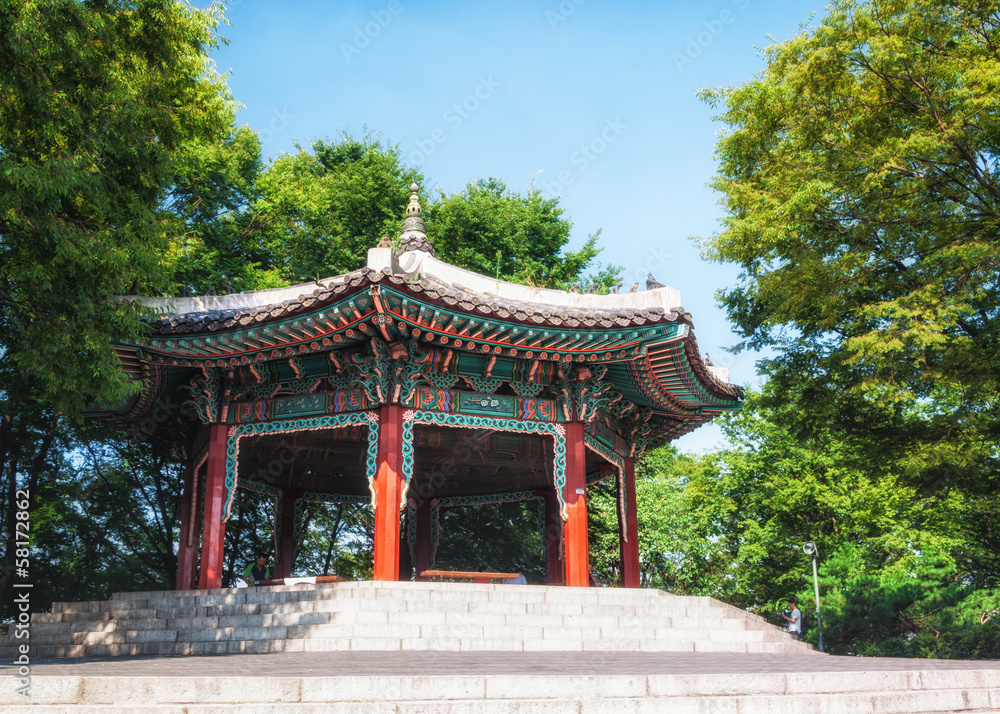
(810, 549)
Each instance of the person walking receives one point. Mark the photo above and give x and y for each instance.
(794, 619)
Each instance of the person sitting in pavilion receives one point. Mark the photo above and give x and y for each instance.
(257, 571)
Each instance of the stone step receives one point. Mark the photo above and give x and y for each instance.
(320, 611)
(410, 592)
(228, 646)
(446, 631)
(40, 626)
(348, 604)
(382, 644)
(836, 704)
(893, 692)
(97, 611)
(395, 616)
(155, 620)
(419, 589)
(910, 703)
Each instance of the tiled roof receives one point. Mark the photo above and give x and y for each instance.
(430, 287)
(450, 296)
(647, 333)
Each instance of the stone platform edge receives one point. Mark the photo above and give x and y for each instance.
(982, 684)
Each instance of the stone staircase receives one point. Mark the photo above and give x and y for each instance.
(266, 685)
(398, 616)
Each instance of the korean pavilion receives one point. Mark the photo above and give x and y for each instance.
(414, 385)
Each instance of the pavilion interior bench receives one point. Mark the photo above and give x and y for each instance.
(476, 577)
(307, 579)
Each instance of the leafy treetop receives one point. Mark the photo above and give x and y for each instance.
(859, 174)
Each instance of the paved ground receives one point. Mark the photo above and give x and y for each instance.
(352, 664)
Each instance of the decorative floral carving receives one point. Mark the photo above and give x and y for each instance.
(484, 385)
(586, 393)
(526, 389)
(466, 421)
(638, 430)
(369, 419)
(205, 391)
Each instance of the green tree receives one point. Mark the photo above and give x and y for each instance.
(316, 214)
(105, 517)
(337, 539)
(99, 106)
(102, 107)
(876, 610)
(493, 231)
(859, 173)
(904, 570)
(681, 523)
(29, 454)
(498, 537)
(680, 526)
(212, 241)
(249, 531)
(860, 178)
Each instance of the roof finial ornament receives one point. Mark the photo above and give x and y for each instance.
(414, 208)
(414, 236)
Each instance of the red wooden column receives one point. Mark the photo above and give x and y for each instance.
(213, 537)
(575, 546)
(187, 545)
(423, 544)
(388, 491)
(552, 537)
(286, 543)
(630, 549)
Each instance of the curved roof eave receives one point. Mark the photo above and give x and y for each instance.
(415, 271)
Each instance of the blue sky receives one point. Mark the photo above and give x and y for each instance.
(593, 101)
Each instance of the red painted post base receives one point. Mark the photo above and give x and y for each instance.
(187, 554)
(552, 538)
(388, 492)
(575, 544)
(213, 537)
(629, 549)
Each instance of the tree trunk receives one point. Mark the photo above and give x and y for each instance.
(333, 537)
(231, 575)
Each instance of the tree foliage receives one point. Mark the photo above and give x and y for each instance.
(679, 526)
(212, 246)
(99, 104)
(904, 571)
(105, 516)
(104, 108)
(859, 173)
(338, 539)
(316, 214)
(493, 231)
(498, 537)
